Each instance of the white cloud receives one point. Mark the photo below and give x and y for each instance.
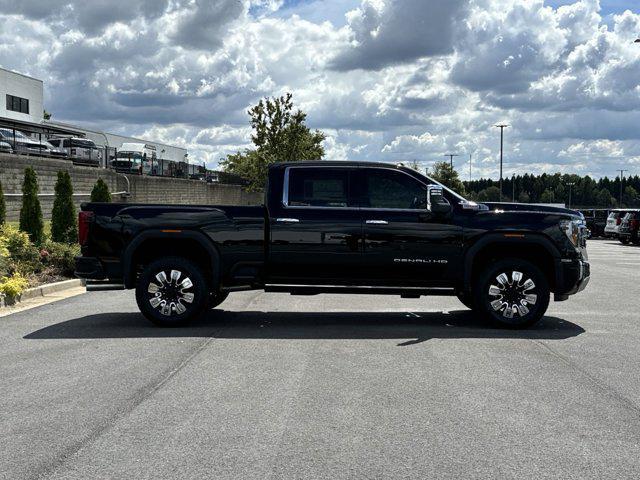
(397, 80)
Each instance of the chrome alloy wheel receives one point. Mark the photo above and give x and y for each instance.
(512, 296)
(170, 294)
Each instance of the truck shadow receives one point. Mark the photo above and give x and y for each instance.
(409, 328)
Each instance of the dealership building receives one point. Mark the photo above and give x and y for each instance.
(23, 110)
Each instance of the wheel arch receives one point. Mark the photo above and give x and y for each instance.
(532, 247)
(151, 244)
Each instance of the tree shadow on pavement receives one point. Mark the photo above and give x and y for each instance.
(412, 328)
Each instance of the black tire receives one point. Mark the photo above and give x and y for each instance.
(466, 299)
(159, 298)
(217, 298)
(624, 240)
(511, 293)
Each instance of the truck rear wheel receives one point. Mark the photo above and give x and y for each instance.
(172, 291)
(512, 293)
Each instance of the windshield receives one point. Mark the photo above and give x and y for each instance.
(129, 155)
(76, 142)
(9, 133)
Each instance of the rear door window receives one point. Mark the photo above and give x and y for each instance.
(317, 187)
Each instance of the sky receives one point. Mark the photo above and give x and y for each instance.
(386, 80)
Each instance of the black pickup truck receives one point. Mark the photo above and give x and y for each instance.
(338, 227)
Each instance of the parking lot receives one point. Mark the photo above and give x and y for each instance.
(275, 386)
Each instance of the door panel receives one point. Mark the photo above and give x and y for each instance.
(410, 248)
(404, 244)
(316, 233)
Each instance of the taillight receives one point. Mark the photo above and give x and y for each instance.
(618, 221)
(84, 219)
(634, 224)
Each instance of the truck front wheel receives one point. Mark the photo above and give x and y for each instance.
(172, 291)
(512, 293)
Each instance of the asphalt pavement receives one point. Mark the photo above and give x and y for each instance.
(336, 387)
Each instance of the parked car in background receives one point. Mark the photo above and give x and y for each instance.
(628, 229)
(613, 222)
(22, 144)
(5, 147)
(81, 151)
(55, 152)
(139, 158)
(596, 220)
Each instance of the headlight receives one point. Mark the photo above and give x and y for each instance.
(572, 229)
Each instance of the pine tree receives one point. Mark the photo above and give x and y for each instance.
(100, 192)
(64, 227)
(3, 207)
(31, 212)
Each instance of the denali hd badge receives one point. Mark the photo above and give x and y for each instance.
(420, 260)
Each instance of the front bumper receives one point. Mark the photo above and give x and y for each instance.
(572, 276)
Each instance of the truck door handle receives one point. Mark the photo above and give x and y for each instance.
(287, 220)
(376, 222)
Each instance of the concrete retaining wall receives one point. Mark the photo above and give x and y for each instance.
(143, 189)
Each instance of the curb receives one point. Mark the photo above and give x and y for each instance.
(46, 289)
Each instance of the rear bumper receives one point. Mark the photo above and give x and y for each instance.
(89, 268)
(572, 276)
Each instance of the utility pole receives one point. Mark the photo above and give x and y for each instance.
(621, 178)
(451, 155)
(570, 184)
(501, 126)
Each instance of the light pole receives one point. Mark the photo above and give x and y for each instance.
(570, 184)
(451, 155)
(501, 126)
(621, 179)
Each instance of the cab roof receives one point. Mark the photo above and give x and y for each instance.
(334, 163)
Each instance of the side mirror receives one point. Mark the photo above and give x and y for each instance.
(436, 203)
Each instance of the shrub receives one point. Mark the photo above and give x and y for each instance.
(3, 207)
(61, 257)
(19, 253)
(14, 285)
(31, 212)
(100, 192)
(17, 244)
(64, 226)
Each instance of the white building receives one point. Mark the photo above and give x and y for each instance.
(22, 108)
(21, 97)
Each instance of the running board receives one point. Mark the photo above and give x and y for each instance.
(97, 286)
(404, 292)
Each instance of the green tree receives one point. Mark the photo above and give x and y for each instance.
(100, 192)
(630, 196)
(604, 198)
(64, 226)
(524, 197)
(3, 207)
(446, 175)
(489, 194)
(279, 135)
(31, 212)
(547, 197)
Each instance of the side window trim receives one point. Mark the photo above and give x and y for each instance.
(285, 188)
